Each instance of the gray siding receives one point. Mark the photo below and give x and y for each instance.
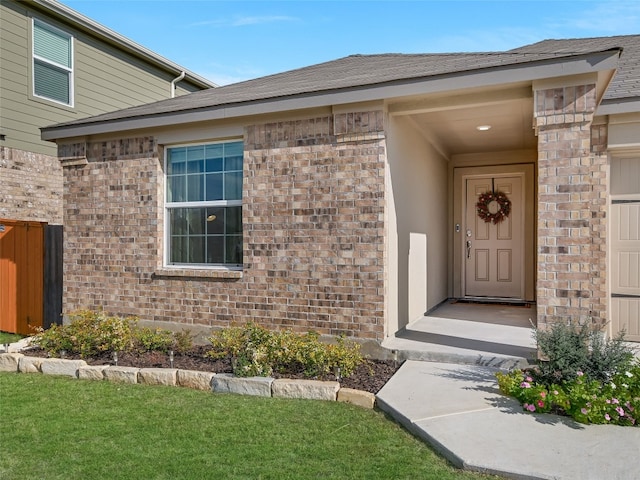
(106, 79)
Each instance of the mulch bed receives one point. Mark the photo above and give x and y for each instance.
(371, 376)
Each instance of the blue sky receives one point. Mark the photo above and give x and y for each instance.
(230, 41)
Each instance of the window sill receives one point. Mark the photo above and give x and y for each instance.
(198, 273)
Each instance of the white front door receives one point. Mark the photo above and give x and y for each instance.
(494, 253)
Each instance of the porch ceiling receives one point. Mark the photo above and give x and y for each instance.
(449, 123)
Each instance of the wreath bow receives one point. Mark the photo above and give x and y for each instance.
(504, 207)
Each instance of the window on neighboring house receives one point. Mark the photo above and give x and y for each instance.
(52, 63)
(204, 204)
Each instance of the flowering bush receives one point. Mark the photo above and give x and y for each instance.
(616, 401)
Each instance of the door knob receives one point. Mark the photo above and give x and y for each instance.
(468, 248)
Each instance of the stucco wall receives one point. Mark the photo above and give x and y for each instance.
(313, 206)
(417, 215)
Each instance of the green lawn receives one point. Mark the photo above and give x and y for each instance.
(9, 337)
(60, 428)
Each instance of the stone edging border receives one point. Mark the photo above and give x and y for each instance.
(206, 381)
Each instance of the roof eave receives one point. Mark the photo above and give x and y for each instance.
(565, 66)
(618, 106)
(62, 11)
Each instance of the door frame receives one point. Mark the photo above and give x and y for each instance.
(460, 175)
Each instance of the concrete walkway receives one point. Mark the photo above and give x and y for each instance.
(460, 412)
(452, 401)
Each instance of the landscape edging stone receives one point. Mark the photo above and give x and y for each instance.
(9, 362)
(282, 388)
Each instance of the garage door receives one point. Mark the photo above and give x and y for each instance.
(624, 247)
(625, 267)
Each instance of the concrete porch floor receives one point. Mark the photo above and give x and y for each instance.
(497, 335)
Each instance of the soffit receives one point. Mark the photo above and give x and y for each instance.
(449, 122)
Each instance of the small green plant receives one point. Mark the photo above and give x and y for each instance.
(256, 351)
(152, 339)
(88, 333)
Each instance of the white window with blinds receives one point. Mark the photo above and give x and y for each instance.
(52, 63)
(204, 205)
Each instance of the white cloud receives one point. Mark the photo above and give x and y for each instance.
(573, 20)
(261, 20)
(244, 21)
(495, 40)
(601, 18)
(228, 74)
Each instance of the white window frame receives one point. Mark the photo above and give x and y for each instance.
(211, 203)
(69, 70)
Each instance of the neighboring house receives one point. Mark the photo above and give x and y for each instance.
(342, 197)
(57, 66)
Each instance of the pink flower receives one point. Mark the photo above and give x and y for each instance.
(541, 403)
(579, 373)
(529, 379)
(555, 392)
(608, 401)
(615, 401)
(607, 417)
(629, 407)
(620, 411)
(584, 411)
(543, 394)
(525, 385)
(531, 408)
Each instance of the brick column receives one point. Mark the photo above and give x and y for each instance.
(572, 190)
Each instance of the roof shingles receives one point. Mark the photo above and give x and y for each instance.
(359, 71)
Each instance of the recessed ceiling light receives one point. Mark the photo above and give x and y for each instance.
(483, 128)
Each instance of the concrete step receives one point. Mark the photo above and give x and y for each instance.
(470, 342)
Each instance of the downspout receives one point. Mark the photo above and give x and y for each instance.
(176, 80)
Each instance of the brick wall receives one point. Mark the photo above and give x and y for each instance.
(31, 186)
(572, 190)
(313, 232)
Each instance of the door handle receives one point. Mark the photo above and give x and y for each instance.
(468, 248)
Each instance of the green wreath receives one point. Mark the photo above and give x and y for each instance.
(494, 213)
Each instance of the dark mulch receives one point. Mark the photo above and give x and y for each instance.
(371, 376)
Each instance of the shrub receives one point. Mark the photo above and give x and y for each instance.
(182, 341)
(152, 340)
(89, 333)
(256, 351)
(569, 349)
